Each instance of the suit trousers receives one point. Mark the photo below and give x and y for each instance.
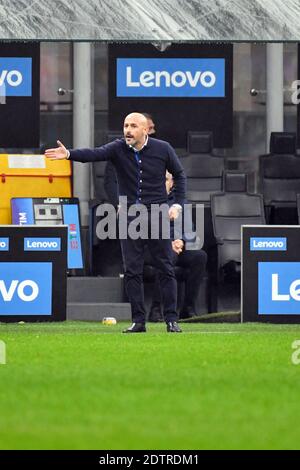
(133, 260)
(193, 263)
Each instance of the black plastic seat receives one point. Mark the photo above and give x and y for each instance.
(280, 179)
(230, 210)
(200, 142)
(203, 169)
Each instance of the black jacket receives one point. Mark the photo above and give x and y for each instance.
(141, 175)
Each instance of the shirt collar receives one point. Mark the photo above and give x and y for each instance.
(146, 142)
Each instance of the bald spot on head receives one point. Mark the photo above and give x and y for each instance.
(137, 117)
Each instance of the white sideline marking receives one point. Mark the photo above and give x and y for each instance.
(215, 332)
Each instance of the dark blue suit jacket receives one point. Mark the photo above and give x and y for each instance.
(141, 175)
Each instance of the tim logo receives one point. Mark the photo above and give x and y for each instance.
(279, 288)
(73, 237)
(25, 288)
(267, 244)
(16, 76)
(177, 78)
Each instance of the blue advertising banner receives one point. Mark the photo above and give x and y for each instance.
(16, 76)
(180, 77)
(33, 273)
(25, 288)
(187, 87)
(22, 211)
(279, 288)
(268, 244)
(42, 244)
(4, 244)
(20, 94)
(30, 211)
(270, 273)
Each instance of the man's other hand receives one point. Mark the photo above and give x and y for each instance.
(174, 212)
(177, 246)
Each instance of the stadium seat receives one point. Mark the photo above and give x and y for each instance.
(200, 142)
(204, 172)
(280, 179)
(283, 143)
(230, 210)
(204, 177)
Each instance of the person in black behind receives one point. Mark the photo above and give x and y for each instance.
(111, 184)
(150, 124)
(141, 163)
(193, 263)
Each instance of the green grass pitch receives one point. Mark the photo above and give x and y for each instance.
(79, 385)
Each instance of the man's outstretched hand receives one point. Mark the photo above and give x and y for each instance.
(59, 153)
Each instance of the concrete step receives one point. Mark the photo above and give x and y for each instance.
(95, 289)
(96, 311)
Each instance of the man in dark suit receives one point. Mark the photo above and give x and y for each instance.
(141, 163)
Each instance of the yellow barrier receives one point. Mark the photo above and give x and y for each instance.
(31, 176)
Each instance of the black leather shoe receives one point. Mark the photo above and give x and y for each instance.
(136, 328)
(155, 315)
(173, 327)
